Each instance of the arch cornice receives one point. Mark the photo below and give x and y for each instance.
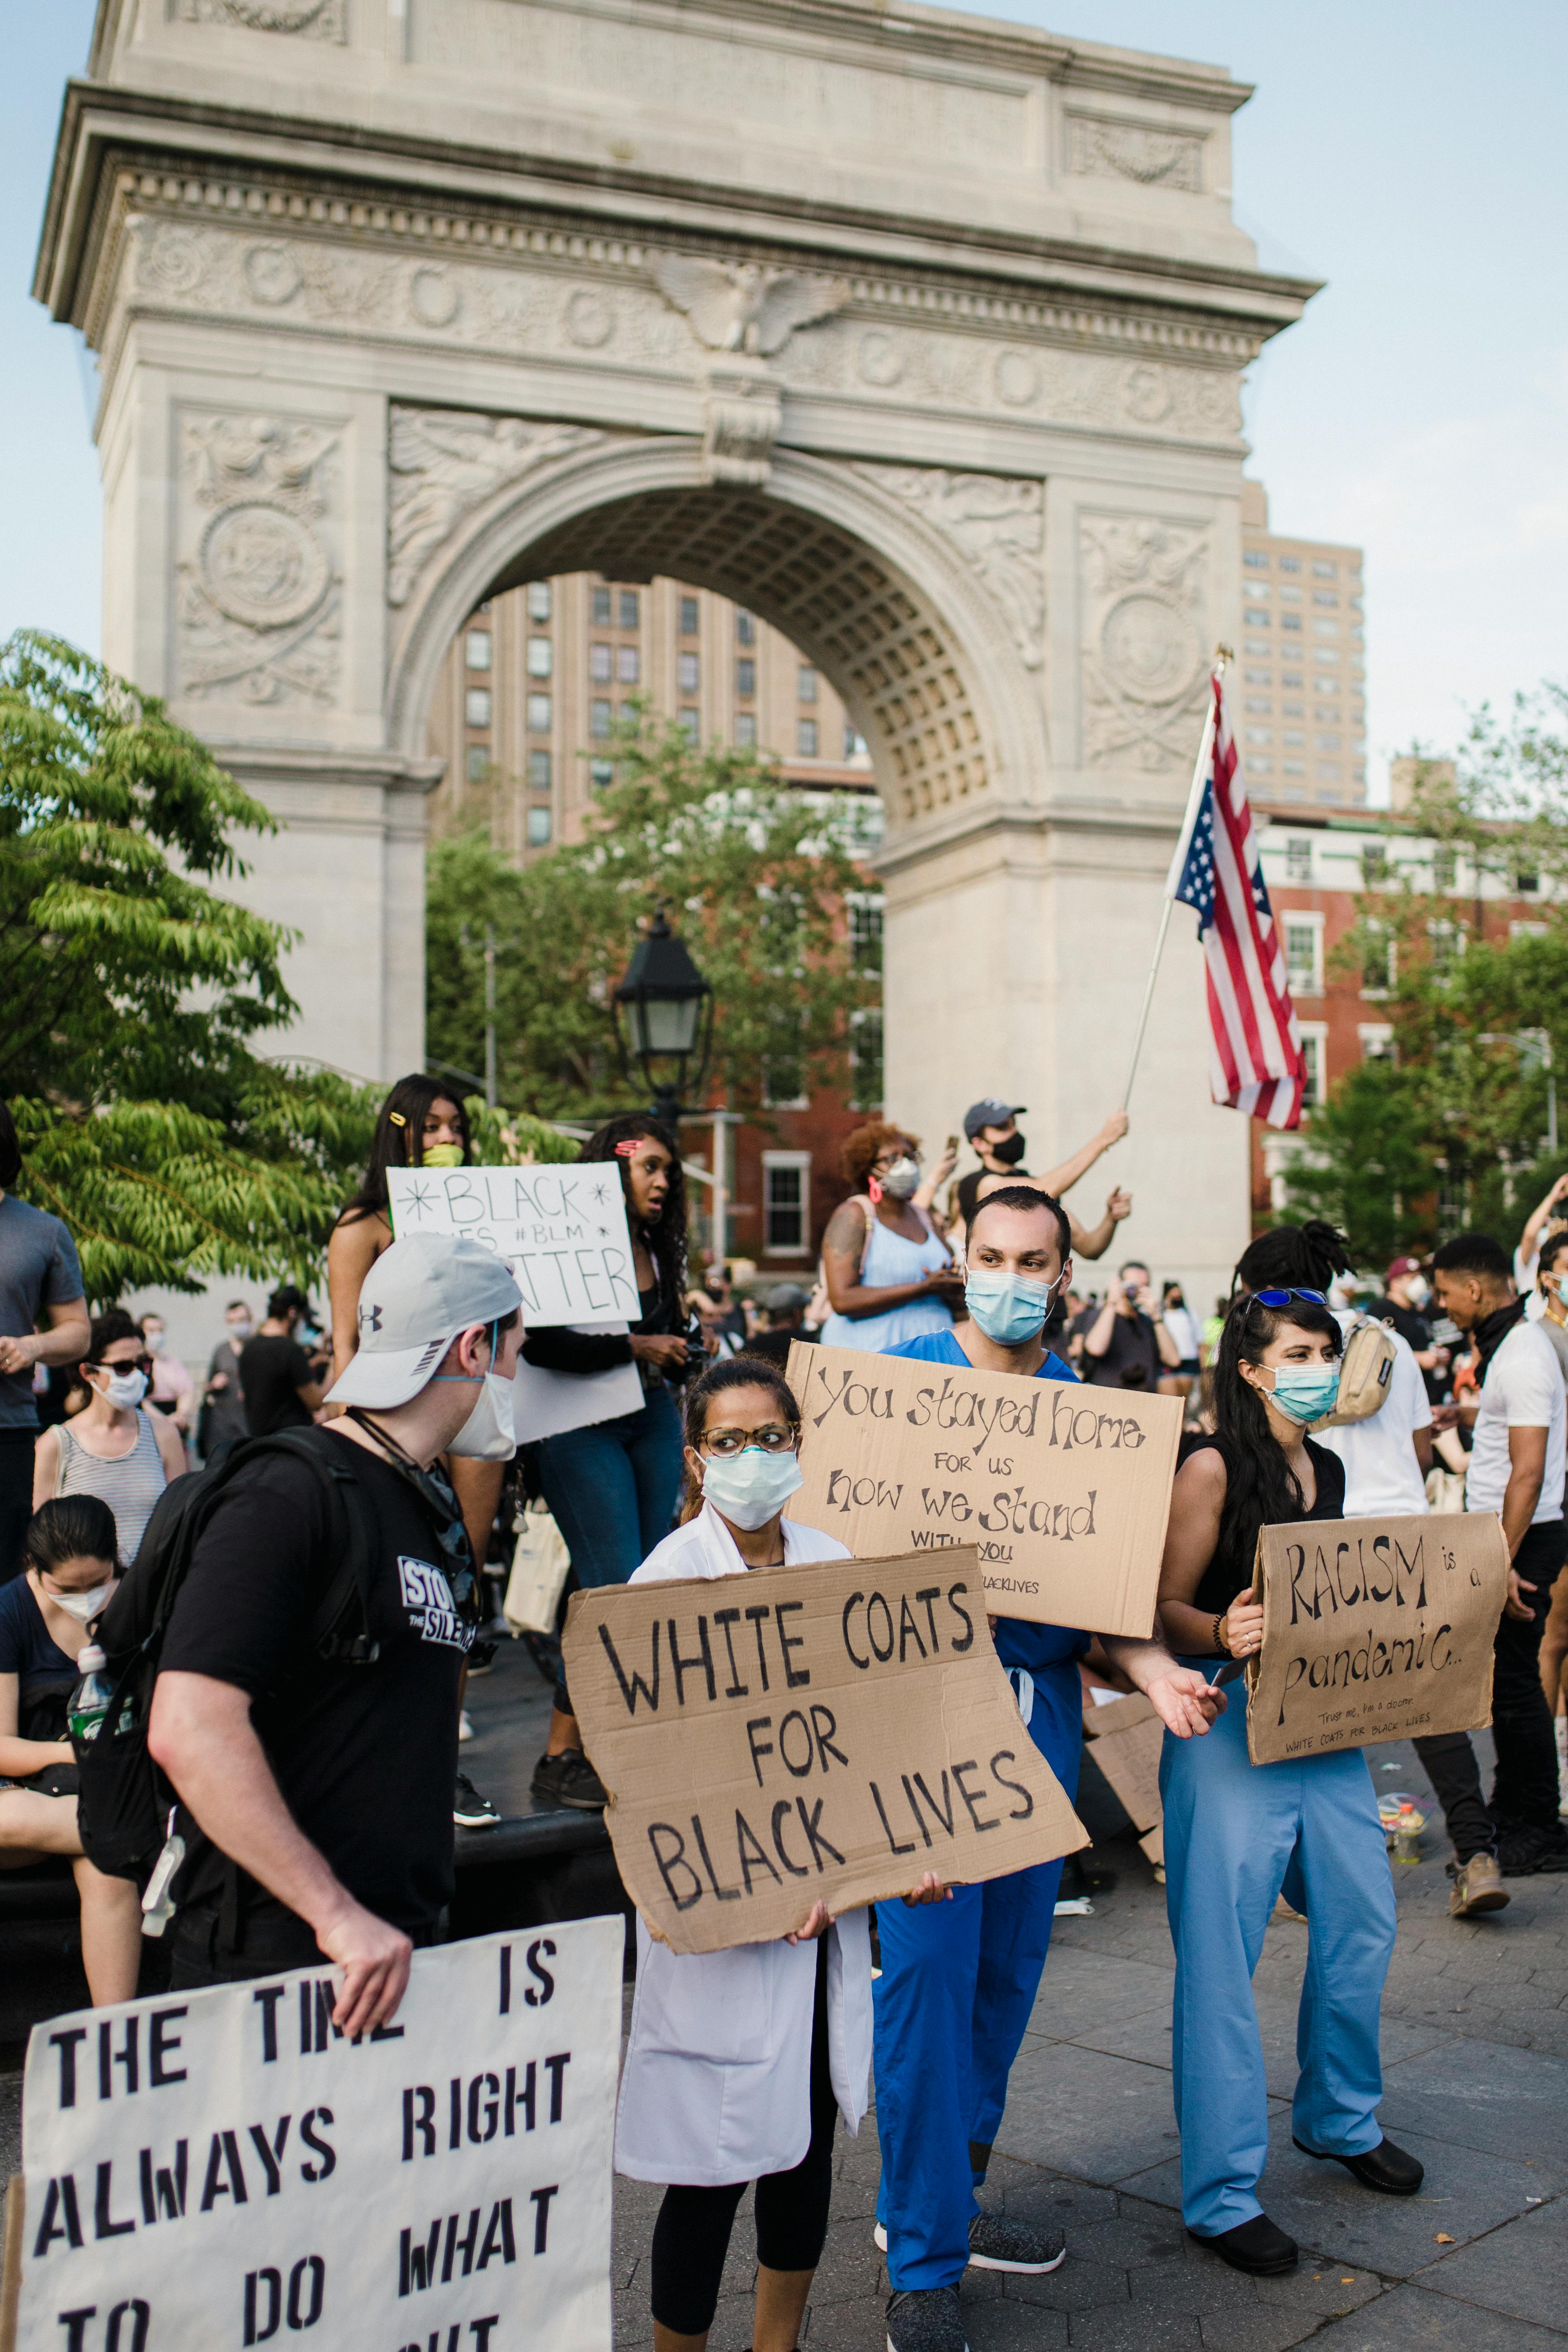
(927, 661)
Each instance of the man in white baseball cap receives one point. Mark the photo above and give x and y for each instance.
(306, 1707)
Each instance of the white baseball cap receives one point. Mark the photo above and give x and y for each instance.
(416, 1298)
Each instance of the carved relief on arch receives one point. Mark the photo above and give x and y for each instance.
(314, 20)
(259, 525)
(444, 462)
(999, 526)
(1144, 598)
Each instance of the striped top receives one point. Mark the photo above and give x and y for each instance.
(130, 1485)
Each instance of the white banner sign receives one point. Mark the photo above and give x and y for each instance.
(562, 1230)
(222, 2169)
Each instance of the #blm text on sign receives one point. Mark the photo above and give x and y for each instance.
(1374, 1629)
(563, 1230)
(1062, 1490)
(222, 2168)
(828, 1732)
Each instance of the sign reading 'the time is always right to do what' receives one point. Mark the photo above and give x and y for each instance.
(217, 2168)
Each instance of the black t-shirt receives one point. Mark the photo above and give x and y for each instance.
(272, 1369)
(46, 1676)
(1132, 1345)
(1416, 1333)
(1226, 1574)
(365, 1755)
(969, 1186)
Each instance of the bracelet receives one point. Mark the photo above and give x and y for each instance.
(1220, 1643)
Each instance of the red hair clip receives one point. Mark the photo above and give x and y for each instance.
(626, 1149)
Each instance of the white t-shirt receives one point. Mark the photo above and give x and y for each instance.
(1524, 1389)
(1183, 1326)
(1383, 1477)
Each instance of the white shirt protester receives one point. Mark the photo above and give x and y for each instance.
(1383, 1477)
(1183, 1326)
(716, 2086)
(1523, 1390)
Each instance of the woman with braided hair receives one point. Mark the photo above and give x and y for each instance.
(1237, 1833)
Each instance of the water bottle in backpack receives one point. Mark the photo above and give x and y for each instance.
(89, 1700)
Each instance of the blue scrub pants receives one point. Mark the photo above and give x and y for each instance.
(957, 1987)
(1237, 1834)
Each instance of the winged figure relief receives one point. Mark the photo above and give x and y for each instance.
(745, 306)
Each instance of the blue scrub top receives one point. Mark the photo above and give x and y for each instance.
(1018, 1643)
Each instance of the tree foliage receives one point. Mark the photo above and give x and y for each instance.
(755, 873)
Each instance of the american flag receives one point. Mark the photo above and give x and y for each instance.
(1256, 1061)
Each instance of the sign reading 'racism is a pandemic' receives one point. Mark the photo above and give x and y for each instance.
(802, 1734)
(1374, 1629)
(222, 2169)
(1062, 1490)
(562, 1230)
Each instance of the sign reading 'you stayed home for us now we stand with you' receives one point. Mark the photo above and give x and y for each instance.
(1062, 1490)
(562, 1230)
(222, 2169)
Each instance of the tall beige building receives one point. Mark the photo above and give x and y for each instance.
(533, 685)
(1303, 664)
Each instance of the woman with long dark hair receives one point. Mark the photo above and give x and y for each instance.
(1237, 1833)
(612, 1484)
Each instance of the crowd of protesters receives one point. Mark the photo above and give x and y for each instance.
(359, 1479)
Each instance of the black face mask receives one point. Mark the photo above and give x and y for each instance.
(1010, 1151)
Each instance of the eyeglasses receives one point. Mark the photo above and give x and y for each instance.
(1283, 1298)
(774, 1437)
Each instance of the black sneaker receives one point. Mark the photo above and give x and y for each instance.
(999, 2242)
(469, 1809)
(1523, 1849)
(925, 2319)
(570, 1779)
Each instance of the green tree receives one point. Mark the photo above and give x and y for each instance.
(755, 875)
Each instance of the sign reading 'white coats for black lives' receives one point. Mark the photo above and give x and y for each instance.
(563, 1230)
(1374, 1629)
(222, 2168)
(1062, 1490)
(827, 1733)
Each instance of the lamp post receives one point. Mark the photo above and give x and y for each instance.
(663, 1014)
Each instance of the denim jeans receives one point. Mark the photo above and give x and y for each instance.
(612, 1489)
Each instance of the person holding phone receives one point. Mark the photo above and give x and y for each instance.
(1129, 1336)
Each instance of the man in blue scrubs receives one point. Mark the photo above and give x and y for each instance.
(959, 1977)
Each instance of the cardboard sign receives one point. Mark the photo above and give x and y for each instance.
(1127, 1740)
(545, 1403)
(1374, 1629)
(563, 1230)
(830, 1732)
(1062, 1490)
(222, 2168)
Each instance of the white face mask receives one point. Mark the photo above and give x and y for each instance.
(1417, 1289)
(241, 1332)
(155, 1342)
(82, 1606)
(902, 1178)
(124, 1390)
(489, 1432)
(748, 1488)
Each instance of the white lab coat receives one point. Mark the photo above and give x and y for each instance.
(717, 2083)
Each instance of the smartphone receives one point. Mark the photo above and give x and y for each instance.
(952, 1144)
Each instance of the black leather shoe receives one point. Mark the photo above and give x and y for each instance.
(1260, 2247)
(1385, 2167)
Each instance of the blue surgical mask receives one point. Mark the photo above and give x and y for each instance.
(1008, 1308)
(748, 1488)
(1306, 1391)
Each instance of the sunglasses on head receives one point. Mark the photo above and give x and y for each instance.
(1283, 1298)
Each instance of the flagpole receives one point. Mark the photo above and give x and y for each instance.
(1223, 655)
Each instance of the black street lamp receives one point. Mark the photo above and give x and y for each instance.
(668, 1023)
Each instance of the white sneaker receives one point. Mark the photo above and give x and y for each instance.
(464, 1727)
(1560, 1730)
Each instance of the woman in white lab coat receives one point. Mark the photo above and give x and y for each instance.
(739, 2062)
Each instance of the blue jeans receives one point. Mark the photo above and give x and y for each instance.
(612, 1489)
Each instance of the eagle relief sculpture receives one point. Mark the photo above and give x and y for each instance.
(745, 306)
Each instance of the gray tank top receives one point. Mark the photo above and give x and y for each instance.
(131, 1486)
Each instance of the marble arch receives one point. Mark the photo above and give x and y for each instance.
(919, 332)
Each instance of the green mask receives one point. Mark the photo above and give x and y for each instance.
(444, 1155)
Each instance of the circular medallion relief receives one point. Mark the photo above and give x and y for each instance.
(590, 321)
(433, 296)
(1017, 378)
(1150, 650)
(272, 274)
(263, 567)
(880, 360)
(173, 261)
(1146, 395)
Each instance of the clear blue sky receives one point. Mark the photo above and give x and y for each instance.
(1409, 151)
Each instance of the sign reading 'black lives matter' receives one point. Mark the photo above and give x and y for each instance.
(563, 1230)
(223, 2168)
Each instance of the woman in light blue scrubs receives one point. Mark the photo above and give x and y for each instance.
(1237, 1833)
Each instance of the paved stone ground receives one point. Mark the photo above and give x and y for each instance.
(1474, 2047)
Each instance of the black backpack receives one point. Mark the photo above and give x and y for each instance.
(124, 1801)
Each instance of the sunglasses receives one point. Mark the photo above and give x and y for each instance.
(1283, 1298)
(130, 1364)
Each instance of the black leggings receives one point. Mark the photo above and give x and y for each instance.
(691, 2236)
